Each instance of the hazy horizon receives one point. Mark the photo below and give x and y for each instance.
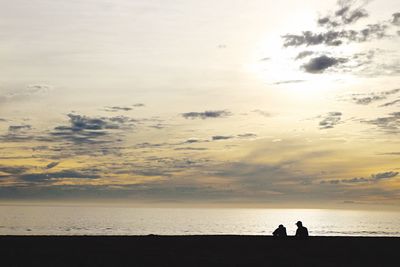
(288, 104)
(130, 221)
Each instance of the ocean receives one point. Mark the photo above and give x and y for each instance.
(85, 220)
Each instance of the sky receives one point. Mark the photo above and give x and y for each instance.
(243, 103)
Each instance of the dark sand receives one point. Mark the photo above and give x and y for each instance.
(188, 251)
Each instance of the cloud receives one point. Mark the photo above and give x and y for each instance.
(321, 63)
(22, 93)
(389, 124)
(330, 120)
(37, 89)
(122, 108)
(384, 175)
(52, 165)
(80, 135)
(192, 140)
(206, 114)
(162, 178)
(83, 129)
(80, 123)
(152, 172)
(166, 178)
(396, 19)
(221, 137)
(13, 169)
(247, 135)
(289, 81)
(159, 166)
(373, 178)
(354, 16)
(355, 180)
(138, 105)
(263, 180)
(16, 137)
(390, 154)
(374, 63)
(30, 174)
(371, 31)
(191, 148)
(262, 112)
(365, 56)
(18, 133)
(391, 103)
(15, 128)
(392, 68)
(151, 145)
(308, 38)
(159, 126)
(326, 21)
(336, 32)
(345, 14)
(156, 178)
(336, 38)
(304, 54)
(366, 99)
(116, 108)
(71, 174)
(391, 92)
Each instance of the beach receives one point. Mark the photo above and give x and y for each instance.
(199, 250)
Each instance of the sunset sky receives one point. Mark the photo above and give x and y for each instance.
(259, 103)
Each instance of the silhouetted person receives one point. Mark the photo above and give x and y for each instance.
(301, 231)
(280, 231)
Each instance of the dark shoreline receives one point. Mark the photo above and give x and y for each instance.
(220, 250)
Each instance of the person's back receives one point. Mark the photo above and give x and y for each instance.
(301, 231)
(280, 231)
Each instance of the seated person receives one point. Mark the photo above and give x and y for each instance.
(280, 231)
(301, 231)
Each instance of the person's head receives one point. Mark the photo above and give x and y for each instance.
(280, 226)
(299, 224)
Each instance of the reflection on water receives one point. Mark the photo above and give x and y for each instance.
(40, 220)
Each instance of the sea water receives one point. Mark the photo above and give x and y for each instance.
(85, 220)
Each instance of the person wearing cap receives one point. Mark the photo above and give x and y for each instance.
(280, 231)
(301, 231)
